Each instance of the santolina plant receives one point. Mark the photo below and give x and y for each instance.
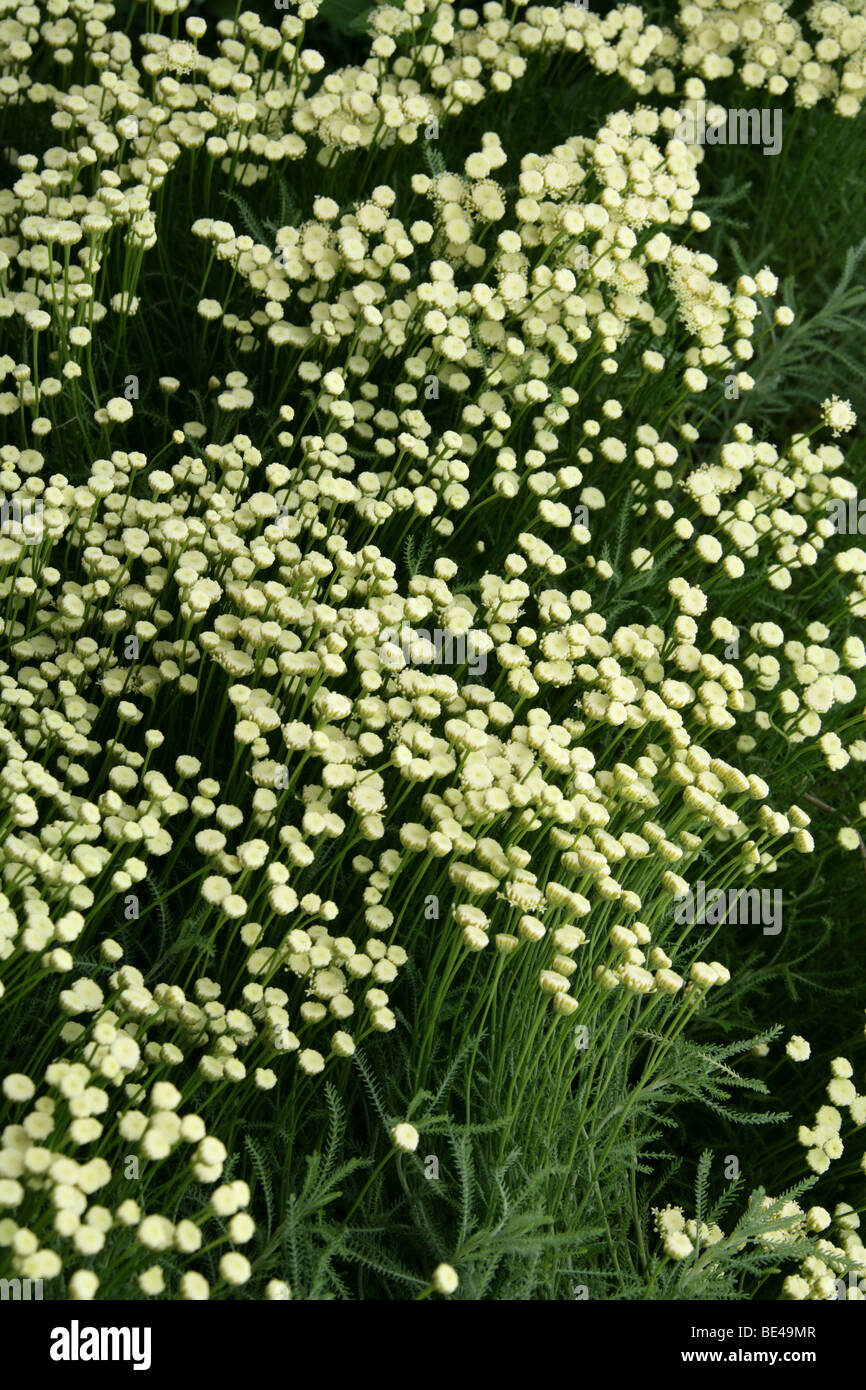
(431, 692)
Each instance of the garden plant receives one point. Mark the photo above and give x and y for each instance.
(432, 667)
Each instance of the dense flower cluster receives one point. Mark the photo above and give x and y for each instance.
(770, 49)
(216, 660)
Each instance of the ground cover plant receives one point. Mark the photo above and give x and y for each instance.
(432, 673)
